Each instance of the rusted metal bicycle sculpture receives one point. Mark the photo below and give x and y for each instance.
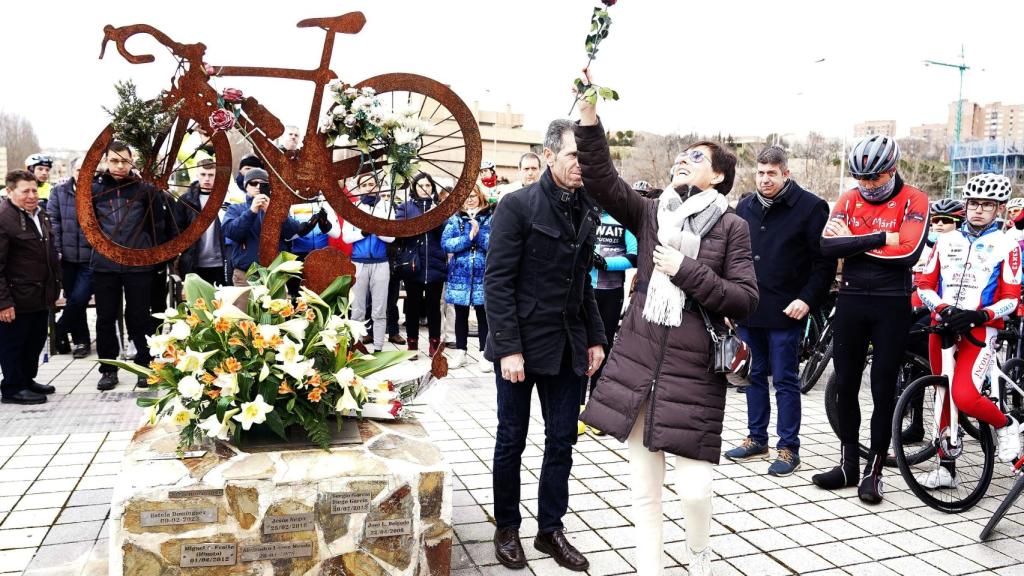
(450, 149)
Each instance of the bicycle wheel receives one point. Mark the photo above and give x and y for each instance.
(971, 463)
(449, 151)
(816, 365)
(162, 177)
(1003, 508)
(1014, 368)
(812, 335)
(913, 368)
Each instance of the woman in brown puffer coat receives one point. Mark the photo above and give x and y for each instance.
(658, 392)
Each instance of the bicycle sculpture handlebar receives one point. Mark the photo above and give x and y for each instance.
(191, 52)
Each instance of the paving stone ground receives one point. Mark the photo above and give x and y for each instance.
(59, 461)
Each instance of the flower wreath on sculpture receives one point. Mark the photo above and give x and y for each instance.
(220, 368)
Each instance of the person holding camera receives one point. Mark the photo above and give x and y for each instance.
(243, 224)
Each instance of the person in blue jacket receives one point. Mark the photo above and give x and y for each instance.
(422, 264)
(466, 237)
(614, 253)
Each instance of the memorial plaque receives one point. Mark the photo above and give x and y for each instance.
(149, 518)
(384, 528)
(212, 554)
(196, 493)
(275, 551)
(288, 523)
(351, 502)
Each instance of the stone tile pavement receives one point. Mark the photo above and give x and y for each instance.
(59, 461)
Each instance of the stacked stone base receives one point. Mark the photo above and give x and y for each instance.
(375, 508)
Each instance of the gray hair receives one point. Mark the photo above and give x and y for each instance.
(533, 155)
(556, 130)
(774, 155)
(75, 162)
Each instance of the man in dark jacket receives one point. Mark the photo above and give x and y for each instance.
(133, 214)
(75, 254)
(208, 257)
(28, 287)
(545, 330)
(792, 278)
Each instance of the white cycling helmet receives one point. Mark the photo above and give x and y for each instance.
(487, 164)
(988, 186)
(1015, 203)
(38, 159)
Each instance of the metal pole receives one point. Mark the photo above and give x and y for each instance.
(959, 119)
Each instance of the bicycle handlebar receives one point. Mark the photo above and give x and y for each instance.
(192, 52)
(943, 330)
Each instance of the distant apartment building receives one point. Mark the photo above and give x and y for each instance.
(873, 127)
(1003, 121)
(930, 133)
(972, 121)
(504, 140)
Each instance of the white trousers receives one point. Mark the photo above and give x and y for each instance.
(372, 279)
(647, 476)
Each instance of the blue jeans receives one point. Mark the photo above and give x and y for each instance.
(559, 402)
(77, 280)
(774, 353)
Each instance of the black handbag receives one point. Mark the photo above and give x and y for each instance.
(728, 352)
(407, 263)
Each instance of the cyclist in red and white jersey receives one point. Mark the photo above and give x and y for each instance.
(972, 282)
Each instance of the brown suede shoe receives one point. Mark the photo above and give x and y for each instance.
(564, 553)
(508, 549)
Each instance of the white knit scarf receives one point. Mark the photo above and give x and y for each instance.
(681, 225)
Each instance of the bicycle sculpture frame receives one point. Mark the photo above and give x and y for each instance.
(296, 177)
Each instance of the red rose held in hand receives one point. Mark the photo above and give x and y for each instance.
(609, 2)
(221, 119)
(233, 95)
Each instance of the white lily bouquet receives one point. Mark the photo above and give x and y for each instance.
(220, 368)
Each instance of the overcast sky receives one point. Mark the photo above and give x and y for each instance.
(745, 68)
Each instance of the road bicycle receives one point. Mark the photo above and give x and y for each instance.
(965, 446)
(816, 351)
(449, 149)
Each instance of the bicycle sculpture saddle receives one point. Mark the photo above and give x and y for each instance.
(350, 23)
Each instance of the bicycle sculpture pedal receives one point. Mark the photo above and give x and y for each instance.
(448, 147)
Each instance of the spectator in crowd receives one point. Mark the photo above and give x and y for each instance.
(236, 192)
(793, 279)
(659, 391)
(198, 146)
(39, 165)
(208, 257)
(614, 254)
(545, 331)
(76, 272)
(243, 224)
(133, 214)
(879, 228)
(28, 288)
(369, 254)
(289, 141)
(466, 238)
(447, 308)
(488, 176)
(316, 238)
(422, 264)
(529, 168)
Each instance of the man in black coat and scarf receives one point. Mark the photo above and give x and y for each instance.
(545, 331)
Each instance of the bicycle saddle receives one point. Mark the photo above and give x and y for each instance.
(350, 23)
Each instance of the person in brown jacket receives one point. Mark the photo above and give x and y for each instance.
(28, 287)
(658, 392)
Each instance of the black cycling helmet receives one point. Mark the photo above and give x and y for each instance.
(950, 207)
(873, 156)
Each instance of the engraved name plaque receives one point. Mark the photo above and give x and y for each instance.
(384, 528)
(198, 492)
(151, 518)
(288, 523)
(213, 554)
(275, 551)
(351, 502)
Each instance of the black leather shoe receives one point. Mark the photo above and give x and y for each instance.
(81, 351)
(107, 382)
(41, 388)
(508, 549)
(564, 553)
(24, 397)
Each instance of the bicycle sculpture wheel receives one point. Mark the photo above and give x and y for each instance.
(443, 135)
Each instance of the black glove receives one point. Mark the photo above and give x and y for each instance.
(307, 226)
(961, 321)
(599, 262)
(325, 224)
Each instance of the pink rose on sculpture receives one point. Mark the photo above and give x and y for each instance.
(221, 119)
(233, 95)
(210, 70)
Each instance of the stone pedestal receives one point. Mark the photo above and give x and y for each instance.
(382, 506)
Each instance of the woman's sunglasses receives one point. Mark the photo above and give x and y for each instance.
(943, 220)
